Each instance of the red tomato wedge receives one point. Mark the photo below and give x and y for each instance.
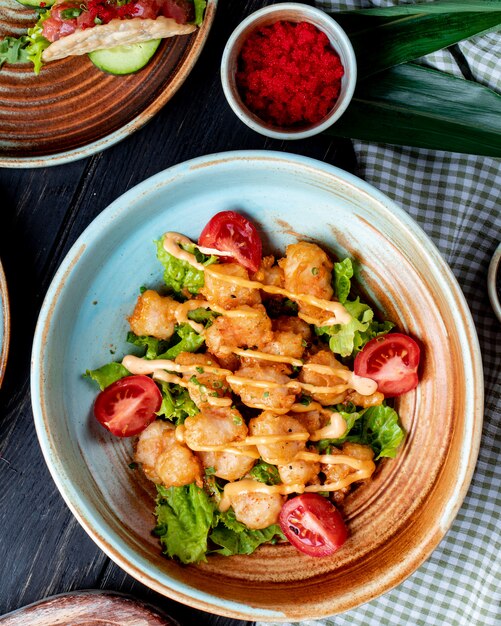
(313, 525)
(232, 233)
(392, 361)
(128, 405)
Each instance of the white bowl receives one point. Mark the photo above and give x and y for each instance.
(289, 12)
(492, 282)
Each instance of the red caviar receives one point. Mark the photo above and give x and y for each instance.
(289, 74)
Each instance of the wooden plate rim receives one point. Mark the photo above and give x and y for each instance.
(136, 123)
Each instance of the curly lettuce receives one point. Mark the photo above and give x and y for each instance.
(13, 50)
(185, 339)
(184, 518)
(189, 526)
(26, 48)
(37, 43)
(180, 277)
(377, 427)
(107, 374)
(176, 403)
(233, 537)
(348, 339)
(343, 273)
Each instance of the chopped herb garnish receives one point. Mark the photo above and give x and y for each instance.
(133, 466)
(266, 473)
(314, 271)
(72, 13)
(305, 400)
(266, 394)
(200, 370)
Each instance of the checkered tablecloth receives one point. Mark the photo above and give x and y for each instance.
(456, 199)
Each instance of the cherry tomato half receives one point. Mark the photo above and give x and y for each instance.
(313, 525)
(392, 361)
(231, 232)
(128, 405)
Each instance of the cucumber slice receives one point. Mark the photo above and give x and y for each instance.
(35, 4)
(124, 59)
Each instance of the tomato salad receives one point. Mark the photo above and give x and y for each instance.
(260, 399)
(120, 36)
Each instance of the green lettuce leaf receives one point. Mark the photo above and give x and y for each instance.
(266, 473)
(382, 431)
(13, 50)
(176, 403)
(200, 6)
(343, 273)
(348, 339)
(180, 277)
(185, 339)
(377, 426)
(350, 418)
(152, 344)
(235, 538)
(184, 518)
(107, 374)
(37, 43)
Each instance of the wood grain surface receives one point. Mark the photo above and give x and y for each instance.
(88, 608)
(72, 104)
(43, 550)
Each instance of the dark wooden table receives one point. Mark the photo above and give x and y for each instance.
(43, 550)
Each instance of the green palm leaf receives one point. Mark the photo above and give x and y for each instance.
(440, 6)
(396, 41)
(415, 106)
(411, 105)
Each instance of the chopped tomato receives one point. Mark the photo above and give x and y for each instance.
(128, 406)
(232, 233)
(182, 11)
(145, 10)
(94, 12)
(313, 525)
(392, 361)
(53, 29)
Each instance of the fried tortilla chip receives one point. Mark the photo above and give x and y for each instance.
(115, 33)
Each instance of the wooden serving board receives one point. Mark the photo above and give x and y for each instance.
(88, 608)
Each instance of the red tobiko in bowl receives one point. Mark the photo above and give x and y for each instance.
(288, 71)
